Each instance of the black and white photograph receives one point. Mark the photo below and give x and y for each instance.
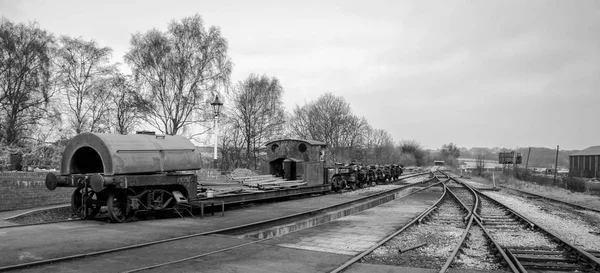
(458, 136)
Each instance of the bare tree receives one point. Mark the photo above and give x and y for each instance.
(83, 78)
(480, 164)
(329, 119)
(25, 79)
(378, 146)
(414, 148)
(258, 111)
(450, 152)
(232, 146)
(384, 146)
(177, 69)
(127, 104)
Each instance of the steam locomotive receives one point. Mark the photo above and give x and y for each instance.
(127, 173)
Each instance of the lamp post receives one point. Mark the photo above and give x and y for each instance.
(216, 105)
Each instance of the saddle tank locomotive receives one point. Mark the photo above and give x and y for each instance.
(127, 173)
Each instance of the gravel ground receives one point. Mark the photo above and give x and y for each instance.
(515, 236)
(440, 238)
(465, 196)
(42, 216)
(568, 226)
(477, 253)
(416, 179)
(381, 188)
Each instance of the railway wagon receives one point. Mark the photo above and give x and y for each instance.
(127, 173)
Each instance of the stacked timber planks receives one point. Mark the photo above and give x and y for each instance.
(267, 182)
(277, 185)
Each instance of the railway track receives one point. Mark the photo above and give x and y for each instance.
(529, 246)
(233, 248)
(452, 221)
(550, 199)
(486, 238)
(383, 196)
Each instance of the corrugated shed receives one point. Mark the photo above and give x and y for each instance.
(594, 150)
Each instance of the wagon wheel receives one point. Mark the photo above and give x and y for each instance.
(78, 198)
(117, 207)
(336, 183)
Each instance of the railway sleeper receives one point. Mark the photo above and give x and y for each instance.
(538, 252)
(548, 259)
(496, 216)
(544, 258)
(501, 223)
(594, 252)
(554, 267)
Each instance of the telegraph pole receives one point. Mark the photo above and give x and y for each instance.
(527, 162)
(555, 165)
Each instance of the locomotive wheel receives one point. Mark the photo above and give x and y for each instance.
(78, 198)
(353, 186)
(117, 207)
(336, 183)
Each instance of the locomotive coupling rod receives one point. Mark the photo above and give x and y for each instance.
(98, 182)
(52, 181)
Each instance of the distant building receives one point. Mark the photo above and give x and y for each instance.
(585, 163)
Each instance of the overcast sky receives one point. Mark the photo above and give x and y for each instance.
(476, 73)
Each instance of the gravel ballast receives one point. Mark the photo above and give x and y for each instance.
(477, 253)
(568, 227)
(436, 241)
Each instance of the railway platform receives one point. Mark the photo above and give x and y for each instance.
(34, 243)
(318, 249)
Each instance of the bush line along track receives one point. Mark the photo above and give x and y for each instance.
(384, 195)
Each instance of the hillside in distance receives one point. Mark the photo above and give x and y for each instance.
(540, 157)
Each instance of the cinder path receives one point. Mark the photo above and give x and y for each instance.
(4, 215)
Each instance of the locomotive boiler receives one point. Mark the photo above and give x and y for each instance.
(128, 174)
